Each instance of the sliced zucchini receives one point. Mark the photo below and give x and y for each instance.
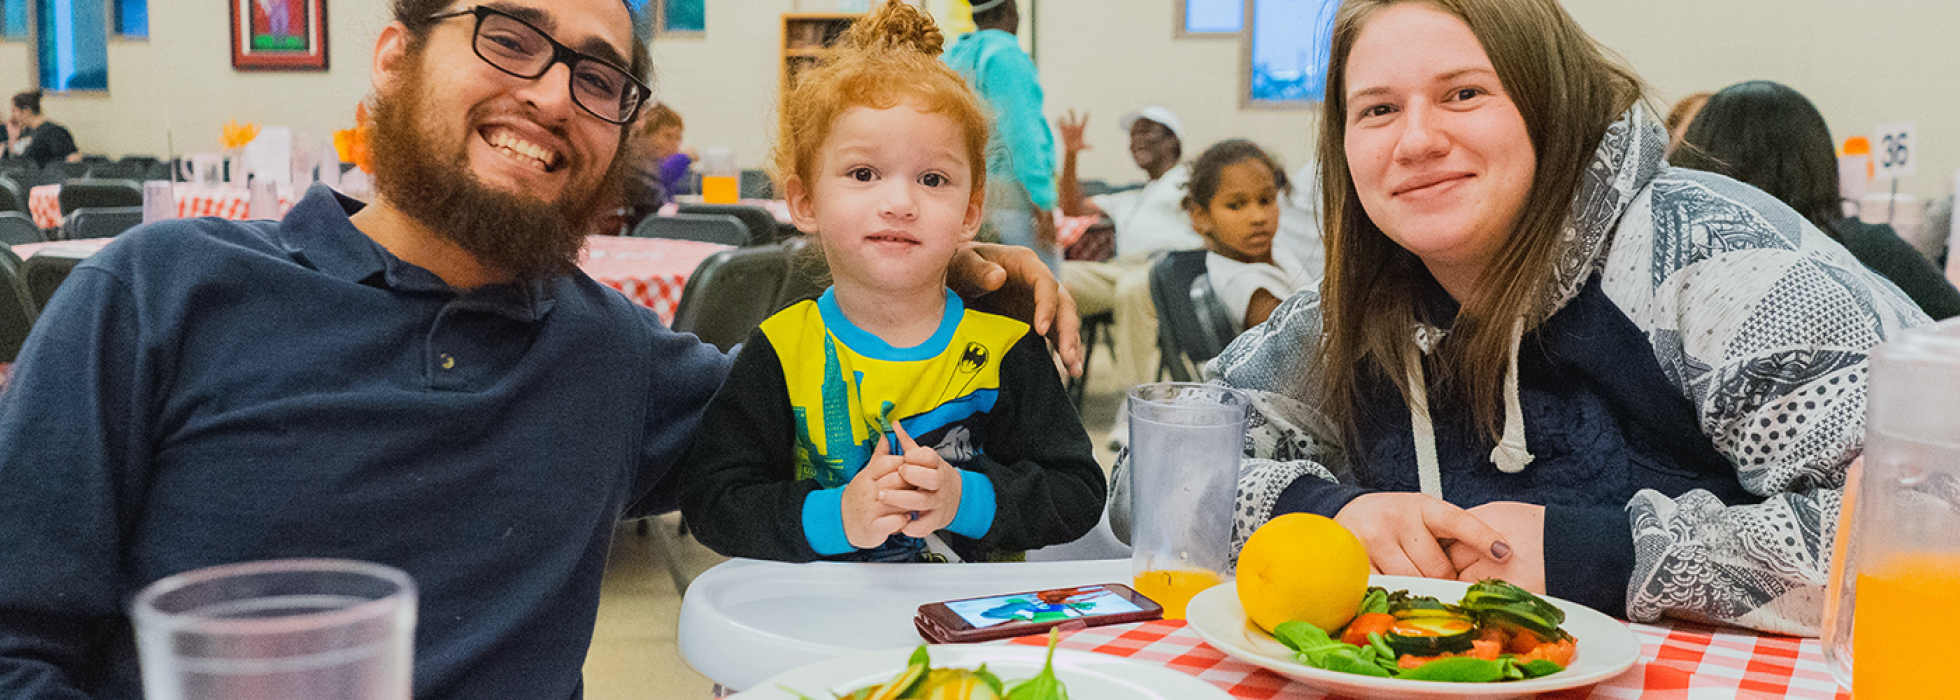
(1429, 635)
(1503, 605)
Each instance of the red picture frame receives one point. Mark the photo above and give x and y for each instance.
(279, 35)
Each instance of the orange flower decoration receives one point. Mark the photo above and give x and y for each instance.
(352, 144)
(236, 136)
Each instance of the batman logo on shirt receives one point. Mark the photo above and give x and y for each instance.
(973, 359)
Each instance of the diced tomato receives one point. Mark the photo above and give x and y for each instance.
(1408, 662)
(1487, 650)
(1357, 631)
(1523, 641)
(1493, 633)
(1559, 652)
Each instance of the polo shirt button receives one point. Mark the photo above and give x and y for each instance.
(448, 361)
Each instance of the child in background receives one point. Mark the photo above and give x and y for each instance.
(883, 421)
(1234, 203)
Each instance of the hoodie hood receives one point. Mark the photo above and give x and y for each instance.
(1631, 153)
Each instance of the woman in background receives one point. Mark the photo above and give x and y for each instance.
(661, 136)
(1768, 135)
(660, 171)
(32, 137)
(1681, 115)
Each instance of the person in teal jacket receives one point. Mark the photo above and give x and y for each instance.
(1021, 155)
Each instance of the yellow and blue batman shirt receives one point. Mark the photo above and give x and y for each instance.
(981, 391)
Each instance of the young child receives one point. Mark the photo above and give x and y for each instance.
(1234, 203)
(883, 419)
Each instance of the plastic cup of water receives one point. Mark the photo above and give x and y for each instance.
(295, 629)
(1185, 444)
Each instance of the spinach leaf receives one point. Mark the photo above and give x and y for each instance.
(1457, 669)
(1539, 668)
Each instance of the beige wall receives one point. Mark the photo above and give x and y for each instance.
(1103, 56)
(1864, 62)
(178, 88)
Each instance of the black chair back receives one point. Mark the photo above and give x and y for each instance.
(707, 228)
(29, 176)
(1184, 343)
(17, 228)
(809, 273)
(16, 306)
(69, 171)
(761, 224)
(100, 222)
(13, 197)
(45, 271)
(731, 293)
(76, 194)
(755, 184)
(117, 170)
(1216, 328)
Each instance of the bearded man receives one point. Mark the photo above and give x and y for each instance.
(426, 381)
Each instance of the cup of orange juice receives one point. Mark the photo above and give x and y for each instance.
(1185, 443)
(1897, 549)
(720, 179)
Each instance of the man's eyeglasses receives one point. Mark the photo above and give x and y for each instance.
(514, 46)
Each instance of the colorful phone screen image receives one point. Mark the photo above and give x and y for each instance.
(1041, 606)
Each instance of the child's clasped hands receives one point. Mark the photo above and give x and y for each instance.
(916, 493)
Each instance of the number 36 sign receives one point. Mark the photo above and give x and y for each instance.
(1892, 150)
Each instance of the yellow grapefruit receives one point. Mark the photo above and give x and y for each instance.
(1305, 567)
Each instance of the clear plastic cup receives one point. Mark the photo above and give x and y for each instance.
(721, 181)
(294, 629)
(159, 200)
(263, 199)
(1185, 444)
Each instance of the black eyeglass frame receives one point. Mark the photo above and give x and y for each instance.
(560, 53)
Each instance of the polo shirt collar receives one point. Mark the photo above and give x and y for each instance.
(319, 233)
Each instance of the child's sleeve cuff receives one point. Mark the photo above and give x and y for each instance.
(823, 522)
(976, 516)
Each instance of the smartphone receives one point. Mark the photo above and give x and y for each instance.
(1017, 614)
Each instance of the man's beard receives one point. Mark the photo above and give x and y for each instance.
(521, 235)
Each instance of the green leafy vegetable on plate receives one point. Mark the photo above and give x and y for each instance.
(920, 681)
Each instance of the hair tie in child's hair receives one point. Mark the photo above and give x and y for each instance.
(979, 7)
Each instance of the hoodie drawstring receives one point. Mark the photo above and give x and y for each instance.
(1428, 475)
(1510, 455)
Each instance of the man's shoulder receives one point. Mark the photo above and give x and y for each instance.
(183, 246)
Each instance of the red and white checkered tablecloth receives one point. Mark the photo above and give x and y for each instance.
(44, 202)
(651, 271)
(1678, 661)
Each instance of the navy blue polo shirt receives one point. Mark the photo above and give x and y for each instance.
(207, 391)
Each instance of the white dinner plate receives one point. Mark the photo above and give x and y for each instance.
(1606, 648)
(1087, 675)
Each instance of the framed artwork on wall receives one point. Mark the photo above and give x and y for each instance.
(279, 35)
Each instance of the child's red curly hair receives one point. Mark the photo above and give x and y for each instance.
(888, 58)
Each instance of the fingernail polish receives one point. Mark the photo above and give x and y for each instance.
(1500, 550)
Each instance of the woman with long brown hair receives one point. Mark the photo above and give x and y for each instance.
(1542, 355)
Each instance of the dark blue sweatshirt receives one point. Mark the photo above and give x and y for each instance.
(1601, 419)
(208, 391)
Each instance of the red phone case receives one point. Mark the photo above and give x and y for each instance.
(932, 631)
